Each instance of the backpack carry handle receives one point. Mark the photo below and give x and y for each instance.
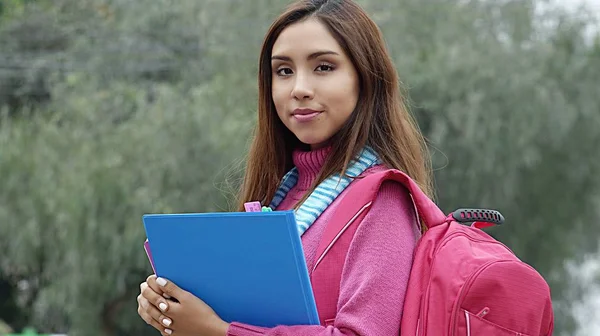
(478, 215)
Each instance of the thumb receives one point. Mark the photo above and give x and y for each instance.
(170, 288)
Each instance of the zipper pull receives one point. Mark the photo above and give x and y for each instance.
(483, 312)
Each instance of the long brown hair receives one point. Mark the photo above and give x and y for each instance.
(381, 118)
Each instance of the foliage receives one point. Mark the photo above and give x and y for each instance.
(113, 109)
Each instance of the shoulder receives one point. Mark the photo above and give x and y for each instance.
(392, 203)
(389, 190)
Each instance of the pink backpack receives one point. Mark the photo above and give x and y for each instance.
(463, 281)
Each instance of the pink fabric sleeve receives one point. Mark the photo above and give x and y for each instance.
(375, 274)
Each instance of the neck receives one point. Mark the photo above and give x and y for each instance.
(309, 165)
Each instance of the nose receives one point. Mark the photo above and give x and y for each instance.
(302, 88)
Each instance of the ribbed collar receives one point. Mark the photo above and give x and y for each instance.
(309, 165)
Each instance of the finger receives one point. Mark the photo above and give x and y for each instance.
(150, 310)
(154, 298)
(149, 320)
(151, 277)
(153, 316)
(152, 283)
(158, 316)
(168, 287)
(142, 312)
(141, 301)
(151, 280)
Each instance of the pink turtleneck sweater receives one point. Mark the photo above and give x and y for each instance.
(376, 270)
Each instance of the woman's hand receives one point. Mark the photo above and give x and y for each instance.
(188, 316)
(150, 304)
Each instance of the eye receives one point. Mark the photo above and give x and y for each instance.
(325, 67)
(284, 71)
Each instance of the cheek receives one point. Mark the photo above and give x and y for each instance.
(279, 98)
(344, 99)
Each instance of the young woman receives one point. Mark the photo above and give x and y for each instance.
(329, 106)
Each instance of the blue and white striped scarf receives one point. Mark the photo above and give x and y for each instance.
(326, 192)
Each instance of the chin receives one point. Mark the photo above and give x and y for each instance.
(314, 143)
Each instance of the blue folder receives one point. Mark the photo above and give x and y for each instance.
(248, 267)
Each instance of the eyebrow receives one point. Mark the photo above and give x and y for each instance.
(310, 57)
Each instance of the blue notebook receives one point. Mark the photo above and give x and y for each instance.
(248, 266)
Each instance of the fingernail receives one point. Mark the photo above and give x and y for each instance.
(166, 322)
(161, 282)
(166, 296)
(163, 306)
(169, 331)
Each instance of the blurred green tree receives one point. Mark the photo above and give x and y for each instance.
(148, 107)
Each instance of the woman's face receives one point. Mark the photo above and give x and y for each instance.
(314, 84)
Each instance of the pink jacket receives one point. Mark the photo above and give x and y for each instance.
(374, 274)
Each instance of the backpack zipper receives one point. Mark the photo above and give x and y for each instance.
(464, 290)
(424, 299)
(425, 306)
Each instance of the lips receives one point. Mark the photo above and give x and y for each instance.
(304, 115)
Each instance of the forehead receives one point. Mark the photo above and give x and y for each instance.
(305, 37)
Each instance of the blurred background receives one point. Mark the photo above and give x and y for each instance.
(115, 108)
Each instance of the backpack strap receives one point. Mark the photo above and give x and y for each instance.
(333, 247)
(361, 196)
